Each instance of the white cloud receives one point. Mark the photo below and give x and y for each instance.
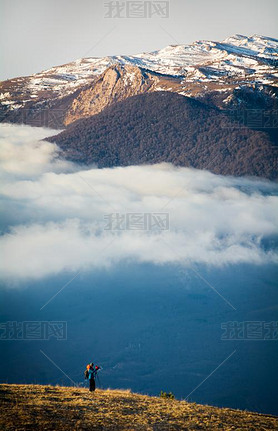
(23, 154)
(57, 212)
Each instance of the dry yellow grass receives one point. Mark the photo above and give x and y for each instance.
(36, 407)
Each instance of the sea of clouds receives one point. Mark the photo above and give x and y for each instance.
(54, 213)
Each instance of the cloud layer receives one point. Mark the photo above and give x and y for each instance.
(53, 217)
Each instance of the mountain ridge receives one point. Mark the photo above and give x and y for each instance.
(194, 70)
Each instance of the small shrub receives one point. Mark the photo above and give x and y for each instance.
(167, 395)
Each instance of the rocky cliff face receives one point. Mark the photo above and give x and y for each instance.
(114, 84)
(117, 83)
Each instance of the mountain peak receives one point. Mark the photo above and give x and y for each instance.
(192, 70)
(256, 43)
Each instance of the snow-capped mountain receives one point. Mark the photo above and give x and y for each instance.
(232, 57)
(84, 87)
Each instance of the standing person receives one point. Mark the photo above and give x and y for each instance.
(92, 372)
(91, 377)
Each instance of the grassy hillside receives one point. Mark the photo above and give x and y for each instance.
(28, 407)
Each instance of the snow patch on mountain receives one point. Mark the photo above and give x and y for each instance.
(237, 59)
